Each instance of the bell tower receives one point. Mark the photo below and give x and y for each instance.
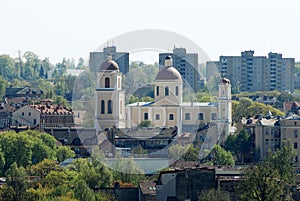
(225, 106)
(110, 99)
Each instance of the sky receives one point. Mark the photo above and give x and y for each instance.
(73, 28)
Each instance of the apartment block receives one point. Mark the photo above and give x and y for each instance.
(256, 73)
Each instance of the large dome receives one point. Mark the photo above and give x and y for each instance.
(109, 64)
(168, 73)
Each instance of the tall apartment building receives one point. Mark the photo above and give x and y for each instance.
(97, 58)
(256, 73)
(186, 64)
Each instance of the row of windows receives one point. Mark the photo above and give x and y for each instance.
(23, 114)
(187, 116)
(167, 91)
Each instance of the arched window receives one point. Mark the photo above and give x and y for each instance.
(157, 91)
(166, 91)
(109, 107)
(176, 90)
(107, 82)
(102, 107)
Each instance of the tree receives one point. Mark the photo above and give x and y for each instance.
(126, 170)
(94, 173)
(268, 180)
(261, 182)
(145, 123)
(82, 191)
(139, 151)
(239, 145)
(214, 195)
(282, 160)
(221, 156)
(17, 180)
(63, 153)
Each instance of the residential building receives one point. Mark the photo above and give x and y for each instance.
(256, 73)
(46, 114)
(97, 58)
(186, 64)
(269, 132)
(167, 110)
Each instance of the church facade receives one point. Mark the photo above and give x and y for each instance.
(167, 109)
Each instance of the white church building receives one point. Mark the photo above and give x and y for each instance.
(167, 109)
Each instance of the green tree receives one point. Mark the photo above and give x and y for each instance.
(126, 170)
(214, 195)
(240, 145)
(63, 153)
(221, 156)
(82, 191)
(139, 151)
(17, 180)
(94, 173)
(145, 123)
(282, 160)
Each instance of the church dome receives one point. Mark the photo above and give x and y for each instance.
(109, 64)
(168, 72)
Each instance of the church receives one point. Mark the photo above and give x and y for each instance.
(167, 109)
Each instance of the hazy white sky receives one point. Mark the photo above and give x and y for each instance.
(73, 28)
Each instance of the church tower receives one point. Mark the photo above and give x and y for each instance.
(110, 99)
(225, 106)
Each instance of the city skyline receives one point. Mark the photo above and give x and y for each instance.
(72, 29)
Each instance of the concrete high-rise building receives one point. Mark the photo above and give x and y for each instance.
(186, 64)
(256, 73)
(97, 58)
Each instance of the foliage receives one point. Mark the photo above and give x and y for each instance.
(214, 195)
(184, 153)
(126, 170)
(63, 153)
(246, 107)
(145, 123)
(83, 192)
(139, 151)
(28, 147)
(268, 179)
(94, 173)
(221, 157)
(240, 145)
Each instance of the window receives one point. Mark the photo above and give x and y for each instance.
(157, 91)
(107, 82)
(213, 116)
(29, 114)
(109, 107)
(267, 142)
(295, 145)
(157, 117)
(23, 114)
(176, 90)
(171, 116)
(200, 116)
(146, 116)
(187, 116)
(34, 121)
(102, 107)
(295, 133)
(166, 91)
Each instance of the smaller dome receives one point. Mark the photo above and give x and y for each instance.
(168, 73)
(109, 64)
